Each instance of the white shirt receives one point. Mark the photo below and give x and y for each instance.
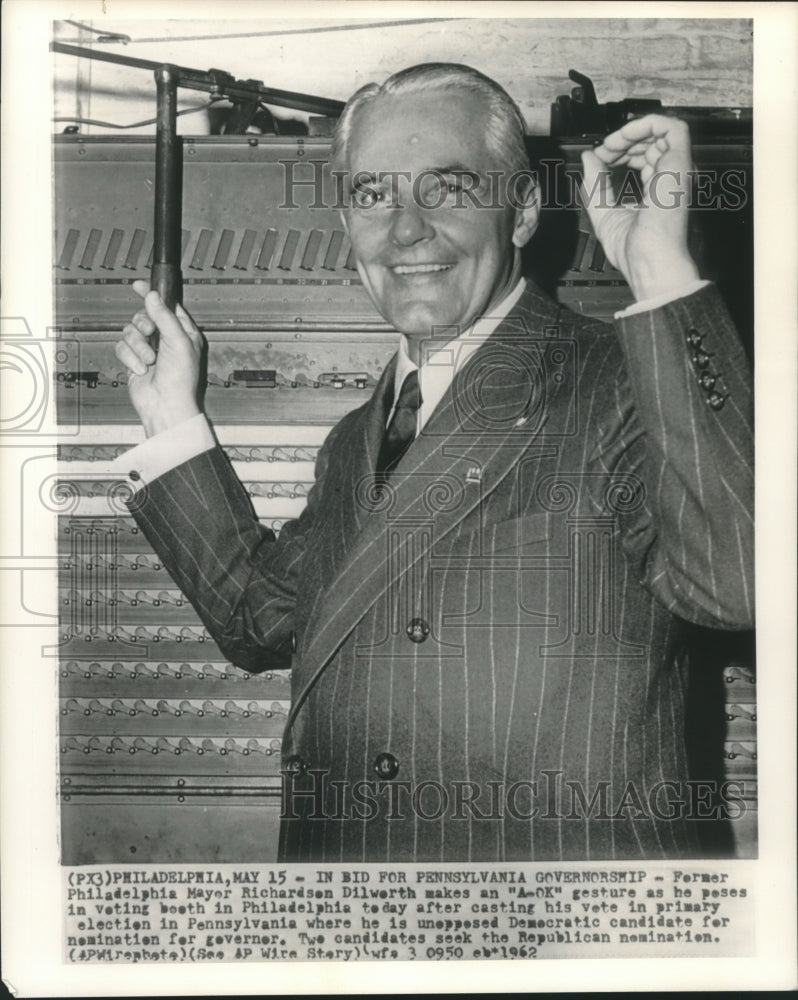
(439, 364)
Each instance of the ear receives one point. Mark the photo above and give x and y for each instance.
(527, 216)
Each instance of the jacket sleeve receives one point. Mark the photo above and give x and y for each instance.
(240, 578)
(685, 429)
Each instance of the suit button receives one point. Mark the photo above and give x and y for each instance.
(296, 765)
(293, 642)
(418, 630)
(706, 380)
(701, 359)
(134, 475)
(386, 766)
(715, 400)
(694, 337)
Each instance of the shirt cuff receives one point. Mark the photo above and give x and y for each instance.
(646, 305)
(165, 451)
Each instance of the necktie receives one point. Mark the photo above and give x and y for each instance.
(402, 429)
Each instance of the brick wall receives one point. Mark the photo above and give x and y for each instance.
(681, 61)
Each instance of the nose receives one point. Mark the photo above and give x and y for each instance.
(410, 223)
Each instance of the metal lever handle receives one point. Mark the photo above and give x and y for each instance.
(166, 278)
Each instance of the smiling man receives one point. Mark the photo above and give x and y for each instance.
(445, 265)
(484, 602)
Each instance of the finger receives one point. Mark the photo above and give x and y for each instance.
(130, 359)
(627, 160)
(615, 148)
(651, 148)
(143, 289)
(636, 156)
(143, 323)
(165, 320)
(139, 344)
(638, 162)
(599, 195)
(649, 126)
(658, 130)
(640, 148)
(611, 152)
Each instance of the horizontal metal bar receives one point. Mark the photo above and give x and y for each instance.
(246, 326)
(213, 81)
(207, 791)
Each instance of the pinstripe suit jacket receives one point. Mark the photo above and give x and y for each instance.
(489, 651)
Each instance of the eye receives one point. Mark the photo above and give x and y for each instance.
(366, 197)
(460, 183)
(433, 190)
(438, 190)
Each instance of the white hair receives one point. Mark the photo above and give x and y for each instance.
(505, 127)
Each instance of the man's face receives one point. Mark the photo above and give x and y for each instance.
(428, 256)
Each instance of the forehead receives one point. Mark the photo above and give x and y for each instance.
(434, 128)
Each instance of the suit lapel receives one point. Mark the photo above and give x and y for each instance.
(376, 413)
(487, 419)
(362, 457)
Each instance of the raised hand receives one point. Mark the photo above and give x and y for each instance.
(163, 386)
(646, 242)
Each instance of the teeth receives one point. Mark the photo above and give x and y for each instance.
(419, 268)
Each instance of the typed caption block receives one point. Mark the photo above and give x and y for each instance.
(305, 913)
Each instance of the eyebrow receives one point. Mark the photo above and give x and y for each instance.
(455, 168)
(365, 179)
(368, 177)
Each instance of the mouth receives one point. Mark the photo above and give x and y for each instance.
(420, 268)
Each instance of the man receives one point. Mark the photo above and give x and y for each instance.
(484, 620)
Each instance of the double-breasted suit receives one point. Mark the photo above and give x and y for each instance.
(487, 651)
